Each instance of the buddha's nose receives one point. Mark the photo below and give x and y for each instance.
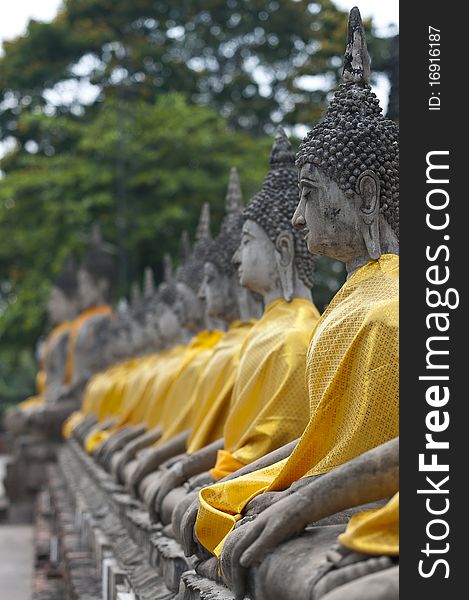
(235, 259)
(298, 221)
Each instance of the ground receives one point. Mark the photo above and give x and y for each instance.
(16, 556)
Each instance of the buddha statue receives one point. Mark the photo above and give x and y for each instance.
(30, 447)
(269, 406)
(169, 408)
(127, 381)
(95, 278)
(348, 210)
(233, 308)
(146, 415)
(61, 309)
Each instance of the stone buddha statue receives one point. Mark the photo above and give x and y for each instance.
(62, 307)
(180, 316)
(270, 405)
(84, 357)
(30, 443)
(233, 308)
(95, 281)
(348, 210)
(129, 348)
(189, 307)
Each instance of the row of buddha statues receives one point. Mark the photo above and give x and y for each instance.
(261, 434)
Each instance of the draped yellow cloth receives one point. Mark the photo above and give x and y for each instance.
(212, 395)
(41, 376)
(353, 381)
(77, 324)
(143, 398)
(31, 402)
(139, 388)
(156, 411)
(103, 394)
(182, 395)
(374, 531)
(125, 398)
(270, 406)
(70, 423)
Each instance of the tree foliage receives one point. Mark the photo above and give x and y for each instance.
(246, 58)
(182, 92)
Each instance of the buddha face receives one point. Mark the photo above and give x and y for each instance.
(88, 292)
(121, 341)
(330, 221)
(169, 327)
(59, 306)
(255, 257)
(149, 328)
(188, 307)
(217, 292)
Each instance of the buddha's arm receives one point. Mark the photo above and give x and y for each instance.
(371, 476)
(265, 461)
(182, 470)
(154, 457)
(202, 460)
(130, 450)
(186, 529)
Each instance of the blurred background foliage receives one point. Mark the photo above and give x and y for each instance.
(130, 113)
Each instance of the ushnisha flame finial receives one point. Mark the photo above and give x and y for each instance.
(148, 282)
(203, 228)
(356, 58)
(167, 268)
(234, 197)
(135, 294)
(184, 247)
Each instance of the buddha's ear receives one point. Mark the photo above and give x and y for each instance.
(285, 258)
(368, 186)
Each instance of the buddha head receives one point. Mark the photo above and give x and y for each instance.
(189, 307)
(272, 258)
(144, 329)
(118, 346)
(225, 299)
(349, 169)
(62, 303)
(96, 273)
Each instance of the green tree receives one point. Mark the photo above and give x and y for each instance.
(246, 58)
(166, 159)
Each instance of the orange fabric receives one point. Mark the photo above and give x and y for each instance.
(105, 309)
(226, 465)
(41, 376)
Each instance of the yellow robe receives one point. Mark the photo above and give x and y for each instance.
(353, 380)
(77, 324)
(269, 406)
(132, 381)
(158, 393)
(41, 377)
(138, 389)
(213, 392)
(102, 394)
(180, 397)
(374, 531)
(125, 397)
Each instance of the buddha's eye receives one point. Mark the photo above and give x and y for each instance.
(310, 193)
